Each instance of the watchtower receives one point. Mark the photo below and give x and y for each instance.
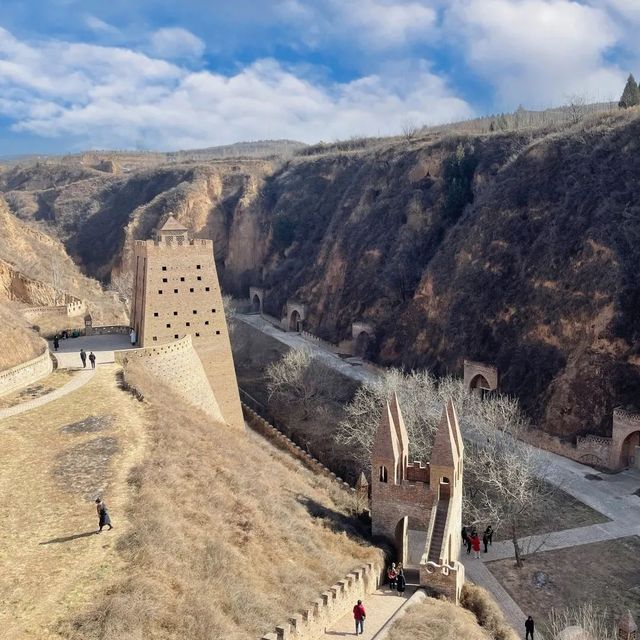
(176, 292)
(421, 502)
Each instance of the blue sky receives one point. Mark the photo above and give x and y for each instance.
(78, 74)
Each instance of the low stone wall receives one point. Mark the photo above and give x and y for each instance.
(71, 308)
(590, 449)
(110, 330)
(280, 440)
(25, 373)
(333, 604)
(178, 366)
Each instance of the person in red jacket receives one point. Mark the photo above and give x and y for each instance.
(475, 544)
(359, 614)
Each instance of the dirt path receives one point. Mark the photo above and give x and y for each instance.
(55, 459)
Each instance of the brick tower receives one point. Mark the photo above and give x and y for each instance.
(176, 292)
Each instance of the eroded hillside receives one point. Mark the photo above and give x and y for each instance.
(519, 249)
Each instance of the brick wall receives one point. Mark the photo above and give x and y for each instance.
(390, 503)
(178, 366)
(177, 293)
(593, 450)
(330, 606)
(26, 373)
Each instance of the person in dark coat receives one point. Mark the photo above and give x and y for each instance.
(103, 515)
(92, 360)
(56, 342)
(83, 357)
(359, 615)
(528, 626)
(487, 537)
(464, 535)
(468, 541)
(401, 582)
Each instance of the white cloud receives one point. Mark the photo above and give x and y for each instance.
(115, 97)
(537, 52)
(176, 43)
(376, 24)
(100, 26)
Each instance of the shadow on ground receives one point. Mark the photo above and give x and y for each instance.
(70, 538)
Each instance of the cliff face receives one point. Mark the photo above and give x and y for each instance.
(518, 249)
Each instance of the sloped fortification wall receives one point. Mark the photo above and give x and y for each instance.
(178, 366)
(25, 373)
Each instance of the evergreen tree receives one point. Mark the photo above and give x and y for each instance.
(631, 94)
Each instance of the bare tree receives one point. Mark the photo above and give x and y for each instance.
(410, 130)
(576, 108)
(507, 481)
(301, 381)
(595, 622)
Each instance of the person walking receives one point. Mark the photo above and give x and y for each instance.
(56, 342)
(475, 543)
(485, 541)
(83, 357)
(392, 575)
(92, 360)
(103, 515)
(529, 626)
(359, 615)
(464, 535)
(468, 541)
(401, 582)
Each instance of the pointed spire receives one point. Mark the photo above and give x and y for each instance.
(455, 426)
(445, 449)
(171, 224)
(385, 444)
(401, 429)
(362, 482)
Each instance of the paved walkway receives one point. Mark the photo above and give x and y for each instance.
(68, 357)
(380, 607)
(613, 495)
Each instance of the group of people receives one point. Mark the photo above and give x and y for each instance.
(397, 581)
(471, 539)
(83, 358)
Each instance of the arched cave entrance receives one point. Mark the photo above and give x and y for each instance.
(630, 451)
(480, 386)
(295, 324)
(363, 344)
(255, 304)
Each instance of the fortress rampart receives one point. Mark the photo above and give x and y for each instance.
(25, 373)
(178, 366)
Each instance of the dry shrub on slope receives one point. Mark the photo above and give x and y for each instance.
(437, 620)
(225, 543)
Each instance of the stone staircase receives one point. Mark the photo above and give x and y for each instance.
(438, 530)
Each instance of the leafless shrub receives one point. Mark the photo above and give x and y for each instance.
(595, 622)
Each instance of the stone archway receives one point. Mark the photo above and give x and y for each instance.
(294, 315)
(630, 450)
(295, 322)
(362, 336)
(256, 296)
(625, 439)
(480, 378)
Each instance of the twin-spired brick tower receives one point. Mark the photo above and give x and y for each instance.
(176, 292)
(418, 505)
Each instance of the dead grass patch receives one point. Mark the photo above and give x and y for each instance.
(434, 619)
(605, 573)
(487, 612)
(223, 543)
(85, 467)
(90, 424)
(57, 379)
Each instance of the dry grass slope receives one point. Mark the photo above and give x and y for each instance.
(437, 620)
(230, 536)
